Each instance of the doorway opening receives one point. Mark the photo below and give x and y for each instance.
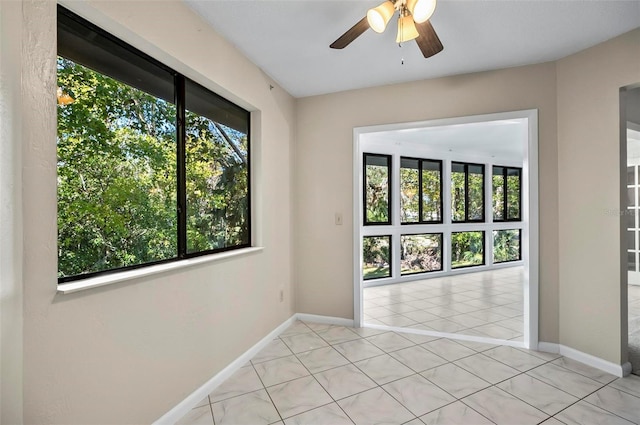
(630, 223)
(446, 234)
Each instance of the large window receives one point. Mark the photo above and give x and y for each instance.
(416, 229)
(152, 167)
(420, 191)
(467, 192)
(507, 193)
(377, 189)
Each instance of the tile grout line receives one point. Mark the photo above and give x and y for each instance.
(583, 399)
(265, 388)
(316, 379)
(605, 408)
(373, 380)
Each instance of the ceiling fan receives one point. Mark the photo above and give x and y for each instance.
(413, 23)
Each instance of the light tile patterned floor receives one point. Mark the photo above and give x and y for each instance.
(332, 375)
(487, 304)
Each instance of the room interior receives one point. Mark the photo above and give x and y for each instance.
(153, 346)
(463, 299)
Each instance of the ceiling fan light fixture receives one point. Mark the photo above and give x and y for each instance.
(421, 10)
(379, 17)
(406, 29)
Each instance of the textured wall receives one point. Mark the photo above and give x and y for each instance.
(589, 191)
(324, 172)
(10, 214)
(129, 352)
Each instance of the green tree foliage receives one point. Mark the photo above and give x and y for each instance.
(457, 196)
(476, 198)
(498, 197)
(420, 253)
(377, 193)
(513, 195)
(431, 208)
(375, 257)
(217, 186)
(506, 245)
(509, 188)
(117, 177)
(467, 249)
(409, 195)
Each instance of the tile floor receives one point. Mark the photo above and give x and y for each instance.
(487, 304)
(333, 375)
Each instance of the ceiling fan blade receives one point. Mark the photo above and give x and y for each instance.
(428, 40)
(354, 32)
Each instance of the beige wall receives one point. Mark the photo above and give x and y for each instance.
(128, 353)
(10, 215)
(589, 181)
(324, 172)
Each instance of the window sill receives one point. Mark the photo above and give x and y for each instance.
(94, 282)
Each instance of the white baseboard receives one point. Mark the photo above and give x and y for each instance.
(192, 400)
(326, 320)
(175, 414)
(593, 361)
(549, 347)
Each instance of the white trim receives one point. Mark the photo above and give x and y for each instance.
(182, 408)
(593, 361)
(549, 347)
(326, 320)
(110, 279)
(531, 233)
(358, 314)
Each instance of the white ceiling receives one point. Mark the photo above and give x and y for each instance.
(289, 39)
(502, 139)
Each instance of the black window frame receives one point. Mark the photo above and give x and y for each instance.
(466, 165)
(365, 220)
(484, 249)
(76, 22)
(504, 174)
(420, 193)
(493, 248)
(441, 234)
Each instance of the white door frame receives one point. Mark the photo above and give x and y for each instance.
(530, 210)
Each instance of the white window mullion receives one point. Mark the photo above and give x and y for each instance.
(446, 215)
(396, 227)
(488, 211)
